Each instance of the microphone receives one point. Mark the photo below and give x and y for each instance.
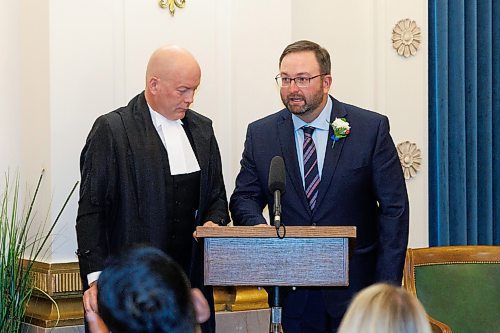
(277, 185)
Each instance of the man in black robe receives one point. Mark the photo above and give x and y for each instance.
(151, 172)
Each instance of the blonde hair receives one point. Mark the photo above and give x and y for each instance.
(384, 308)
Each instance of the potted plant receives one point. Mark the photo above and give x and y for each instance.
(20, 247)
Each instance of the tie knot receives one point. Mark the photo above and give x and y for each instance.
(308, 130)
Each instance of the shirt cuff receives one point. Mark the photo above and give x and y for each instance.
(92, 277)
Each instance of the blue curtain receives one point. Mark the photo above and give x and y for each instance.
(464, 122)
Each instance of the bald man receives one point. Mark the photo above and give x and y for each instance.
(151, 172)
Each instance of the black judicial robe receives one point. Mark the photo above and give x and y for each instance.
(126, 186)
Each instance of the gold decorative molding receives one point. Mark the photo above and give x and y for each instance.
(171, 4)
(240, 298)
(406, 37)
(410, 158)
(42, 312)
(60, 281)
(249, 298)
(222, 297)
(57, 279)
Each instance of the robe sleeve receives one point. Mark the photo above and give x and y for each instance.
(98, 177)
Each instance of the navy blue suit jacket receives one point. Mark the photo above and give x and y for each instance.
(362, 185)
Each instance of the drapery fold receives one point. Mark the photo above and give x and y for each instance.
(464, 122)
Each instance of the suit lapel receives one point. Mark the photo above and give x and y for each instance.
(287, 142)
(332, 154)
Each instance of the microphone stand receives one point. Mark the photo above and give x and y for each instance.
(275, 322)
(275, 326)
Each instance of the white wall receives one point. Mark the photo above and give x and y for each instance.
(10, 93)
(89, 58)
(368, 72)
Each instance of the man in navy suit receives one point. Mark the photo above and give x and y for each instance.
(342, 169)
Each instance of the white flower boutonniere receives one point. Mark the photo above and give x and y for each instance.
(340, 128)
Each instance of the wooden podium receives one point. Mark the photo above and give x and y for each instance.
(255, 256)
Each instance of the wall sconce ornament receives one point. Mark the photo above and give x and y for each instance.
(171, 4)
(406, 37)
(410, 158)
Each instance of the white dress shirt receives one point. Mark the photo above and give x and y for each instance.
(181, 156)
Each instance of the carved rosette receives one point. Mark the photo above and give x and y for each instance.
(410, 158)
(406, 37)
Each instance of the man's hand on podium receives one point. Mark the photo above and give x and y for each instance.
(206, 224)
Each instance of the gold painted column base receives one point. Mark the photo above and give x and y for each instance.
(62, 283)
(43, 313)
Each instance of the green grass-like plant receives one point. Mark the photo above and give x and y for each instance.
(18, 242)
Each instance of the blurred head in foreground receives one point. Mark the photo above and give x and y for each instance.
(146, 291)
(385, 308)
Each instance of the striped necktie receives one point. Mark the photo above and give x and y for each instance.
(311, 173)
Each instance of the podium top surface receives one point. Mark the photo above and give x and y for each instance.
(270, 232)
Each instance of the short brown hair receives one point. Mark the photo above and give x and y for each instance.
(322, 55)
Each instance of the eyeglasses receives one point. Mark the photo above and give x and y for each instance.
(300, 81)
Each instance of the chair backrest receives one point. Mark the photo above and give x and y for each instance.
(457, 285)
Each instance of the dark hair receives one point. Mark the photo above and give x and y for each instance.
(322, 55)
(145, 291)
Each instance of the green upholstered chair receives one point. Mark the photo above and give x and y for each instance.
(457, 285)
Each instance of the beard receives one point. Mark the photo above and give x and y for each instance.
(309, 104)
